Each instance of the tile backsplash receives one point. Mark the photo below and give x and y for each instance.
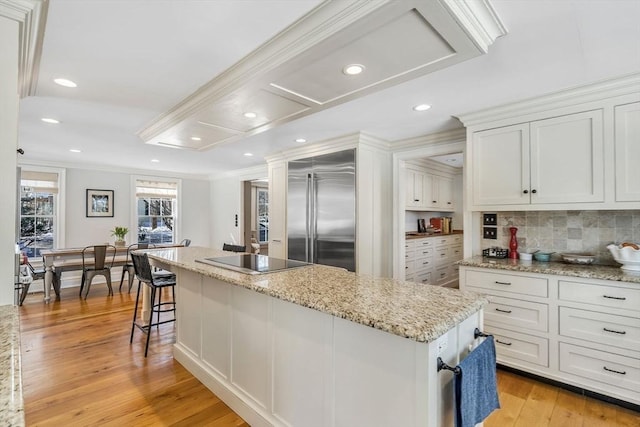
(568, 231)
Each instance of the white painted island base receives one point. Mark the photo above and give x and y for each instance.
(276, 363)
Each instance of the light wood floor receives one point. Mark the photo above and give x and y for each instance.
(79, 370)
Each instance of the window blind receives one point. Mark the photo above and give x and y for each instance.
(167, 190)
(39, 182)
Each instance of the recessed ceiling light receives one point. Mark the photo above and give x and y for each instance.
(353, 69)
(196, 138)
(65, 82)
(50, 120)
(75, 150)
(248, 154)
(450, 160)
(250, 115)
(422, 107)
(301, 140)
(155, 161)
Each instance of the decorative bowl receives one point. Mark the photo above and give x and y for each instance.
(542, 256)
(526, 256)
(628, 256)
(578, 258)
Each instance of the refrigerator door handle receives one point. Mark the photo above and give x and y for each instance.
(314, 223)
(307, 246)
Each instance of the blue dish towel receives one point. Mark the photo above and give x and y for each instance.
(476, 388)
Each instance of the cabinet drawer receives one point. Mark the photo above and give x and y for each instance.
(613, 369)
(426, 252)
(510, 313)
(456, 239)
(409, 245)
(424, 277)
(409, 267)
(423, 243)
(507, 283)
(423, 263)
(442, 275)
(455, 253)
(441, 255)
(441, 241)
(517, 346)
(602, 295)
(608, 329)
(408, 255)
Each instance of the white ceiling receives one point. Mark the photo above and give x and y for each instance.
(135, 60)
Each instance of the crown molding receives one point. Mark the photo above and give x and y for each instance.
(479, 20)
(104, 168)
(439, 138)
(31, 16)
(603, 89)
(245, 174)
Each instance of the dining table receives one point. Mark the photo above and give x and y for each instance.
(57, 261)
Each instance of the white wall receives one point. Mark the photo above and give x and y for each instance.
(8, 145)
(193, 213)
(226, 203)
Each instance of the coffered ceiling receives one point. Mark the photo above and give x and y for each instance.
(152, 75)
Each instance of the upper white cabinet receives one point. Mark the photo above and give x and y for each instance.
(278, 209)
(557, 160)
(627, 149)
(428, 192)
(415, 189)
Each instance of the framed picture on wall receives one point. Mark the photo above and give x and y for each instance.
(99, 203)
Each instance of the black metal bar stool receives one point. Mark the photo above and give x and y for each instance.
(156, 283)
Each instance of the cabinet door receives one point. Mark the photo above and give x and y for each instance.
(278, 210)
(567, 159)
(443, 193)
(414, 197)
(627, 146)
(501, 166)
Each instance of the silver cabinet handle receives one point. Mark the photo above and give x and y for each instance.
(614, 371)
(276, 241)
(615, 332)
(503, 283)
(503, 343)
(503, 311)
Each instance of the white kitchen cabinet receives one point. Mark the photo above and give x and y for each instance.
(441, 195)
(431, 260)
(627, 148)
(428, 192)
(415, 189)
(557, 160)
(278, 209)
(582, 332)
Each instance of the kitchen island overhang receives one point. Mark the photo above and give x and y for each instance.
(319, 345)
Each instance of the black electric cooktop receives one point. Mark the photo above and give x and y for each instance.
(253, 263)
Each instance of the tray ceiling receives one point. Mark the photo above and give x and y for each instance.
(300, 71)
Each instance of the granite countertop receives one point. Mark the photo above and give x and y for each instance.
(11, 401)
(602, 272)
(415, 311)
(415, 235)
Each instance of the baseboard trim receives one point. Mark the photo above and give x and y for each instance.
(572, 388)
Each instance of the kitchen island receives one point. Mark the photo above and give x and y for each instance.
(318, 345)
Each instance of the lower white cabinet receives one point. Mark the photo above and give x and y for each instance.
(582, 332)
(431, 260)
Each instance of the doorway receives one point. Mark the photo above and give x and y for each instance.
(255, 215)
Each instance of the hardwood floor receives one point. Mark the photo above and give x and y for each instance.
(79, 369)
(529, 403)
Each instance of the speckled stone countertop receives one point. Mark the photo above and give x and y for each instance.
(11, 402)
(602, 272)
(415, 311)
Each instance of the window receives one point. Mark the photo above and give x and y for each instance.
(156, 211)
(38, 207)
(263, 215)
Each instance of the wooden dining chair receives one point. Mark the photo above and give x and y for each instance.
(97, 260)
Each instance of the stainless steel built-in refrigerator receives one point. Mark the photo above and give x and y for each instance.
(321, 209)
